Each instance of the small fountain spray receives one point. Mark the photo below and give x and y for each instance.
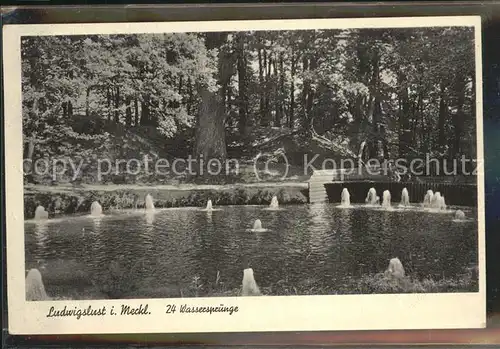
(372, 198)
(257, 227)
(460, 215)
(438, 202)
(345, 199)
(149, 203)
(35, 290)
(386, 199)
(95, 209)
(395, 269)
(274, 203)
(436, 199)
(429, 196)
(249, 286)
(442, 205)
(209, 205)
(405, 197)
(40, 213)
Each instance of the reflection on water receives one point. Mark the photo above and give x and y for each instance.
(41, 233)
(317, 242)
(150, 218)
(41, 237)
(96, 222)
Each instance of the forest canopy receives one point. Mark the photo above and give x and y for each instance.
(388, 93)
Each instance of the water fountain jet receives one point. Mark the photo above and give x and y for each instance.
(386, 199)
(395, 268)
(40, 213)
(442, 204)
(35, 290)
(460, 215)
(405, 197)
(438, 202)
(274, 202)
(249, 286)
(372, 198)
(149, 203)
(257, 225)
(428, 199)
(209, 205)
(345, 199)
(95, 209)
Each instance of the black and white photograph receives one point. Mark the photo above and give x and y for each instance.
(228, 164)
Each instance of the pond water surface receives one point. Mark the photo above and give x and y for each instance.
(322, 245)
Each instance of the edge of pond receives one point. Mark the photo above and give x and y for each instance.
(72, 199)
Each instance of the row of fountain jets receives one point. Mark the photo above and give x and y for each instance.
(96, 208)
(434, 201)
(431, 199)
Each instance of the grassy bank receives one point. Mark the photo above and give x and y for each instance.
(380, 283)
(59, 200)
(121, 282)
(369, 284)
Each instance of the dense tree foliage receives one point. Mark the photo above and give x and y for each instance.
(383, 93)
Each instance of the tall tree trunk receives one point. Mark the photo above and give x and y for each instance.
(210, 135)
(70, 109)
(377, 112)
(136, 112)
(189, 105)
(229, 98)
(459, 119)
(269, 66)
(224, 92)
(418, 116)
(278, 90)
(109, 97)
(128, 112)
(261, 83)
(266, 115)
(310, 95)
(29, 156)
(277, 116)
(282, 86)
(305, 92)
(442, 117)
(210, 141)
(242, 85)
(64, 109)
(145, 115)
(421, 119)
(117, 104)
(154, 105)
(404, 111)
(87, 102)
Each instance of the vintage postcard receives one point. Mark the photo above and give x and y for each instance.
(277, 175)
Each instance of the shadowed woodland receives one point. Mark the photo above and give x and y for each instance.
(369, 93)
